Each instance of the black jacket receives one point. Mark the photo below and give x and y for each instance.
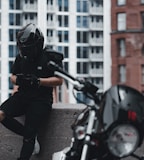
(39, 68)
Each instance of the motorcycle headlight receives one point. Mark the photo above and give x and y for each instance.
(80, 132)
(123, 140)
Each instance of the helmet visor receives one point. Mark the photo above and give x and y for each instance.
(27, 51)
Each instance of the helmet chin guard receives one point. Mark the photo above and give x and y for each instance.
(30, 42)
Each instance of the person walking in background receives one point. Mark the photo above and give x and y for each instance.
(35, 81)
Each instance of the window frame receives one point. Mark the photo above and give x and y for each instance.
(121, 21)
(122, 73)
(121, 2)
(121, 43)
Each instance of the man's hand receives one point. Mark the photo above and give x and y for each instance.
(26, 81)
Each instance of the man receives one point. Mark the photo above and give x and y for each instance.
(35, 83)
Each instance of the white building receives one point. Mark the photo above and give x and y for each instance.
(78, 28)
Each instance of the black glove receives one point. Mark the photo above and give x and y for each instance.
(26, 81)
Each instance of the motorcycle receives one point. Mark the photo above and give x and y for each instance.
(110, 128)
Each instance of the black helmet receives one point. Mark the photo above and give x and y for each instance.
(30, 41)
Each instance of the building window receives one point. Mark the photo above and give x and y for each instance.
(97, 81)
(12, 34)
(122, 73)
(142, 73)
(66, 36)
(63, 36)
(82, 6)
(121, 21)
(99, 65)
(10, 65)
(121, 47)
(49, 33)
(15, 4)
(11, 4)
(63, 5)
(82, 67)
(50, 2)
(49, 17)
(60, 36)
(66, 5)
(31, 1)
(82, 21)
(14, 19)
(66, 21)
(63, 21)
(142, 1)
(10, 84)
(12, 51)
(82, 52)
(64, 50)
(18, 19)
(81, 98)
(30, 17)
(99, 3)
(82, 37)
(121, 2)
(66, 66)
(142, 18)
(11, 19)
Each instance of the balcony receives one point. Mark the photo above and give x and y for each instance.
(52, 24)
(52, 40)
(96, 56)
(96, 41)
(96, 10)
(96, 72)
(96, 26)
(52, 8)
(30, 7)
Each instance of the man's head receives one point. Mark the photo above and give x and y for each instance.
(30, 41)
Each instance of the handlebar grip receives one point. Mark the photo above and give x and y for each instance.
(89, 87)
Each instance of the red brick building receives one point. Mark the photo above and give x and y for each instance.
(127, 43)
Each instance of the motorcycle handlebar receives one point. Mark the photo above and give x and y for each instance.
(84, 86)
(58, 71)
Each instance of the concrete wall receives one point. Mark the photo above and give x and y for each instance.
(53, 136)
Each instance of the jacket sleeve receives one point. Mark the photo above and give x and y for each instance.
(16, 66)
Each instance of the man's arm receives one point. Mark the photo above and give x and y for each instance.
(13, 79)
(50, 82)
